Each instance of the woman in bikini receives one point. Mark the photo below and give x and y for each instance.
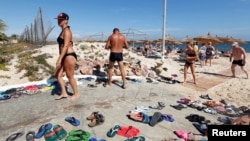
(191, 57)
(66, 61)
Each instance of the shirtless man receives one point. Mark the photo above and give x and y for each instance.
(116, 42)
(239, 58)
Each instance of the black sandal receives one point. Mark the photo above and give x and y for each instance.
(206, 96)
(179, 106)
(92, 85)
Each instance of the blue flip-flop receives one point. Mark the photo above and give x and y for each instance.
(41, 131)
(4, 96)
(92, 139)
(112, 131)
(73, 121)
(48, 126)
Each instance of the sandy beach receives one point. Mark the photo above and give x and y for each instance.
(215, 80)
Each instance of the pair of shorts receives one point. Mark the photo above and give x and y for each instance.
(202, 57)
(114, 56)
(238, 62)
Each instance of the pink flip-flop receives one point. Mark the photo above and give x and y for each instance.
(182, 134)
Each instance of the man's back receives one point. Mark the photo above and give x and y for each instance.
(117, 42)
(237, 53)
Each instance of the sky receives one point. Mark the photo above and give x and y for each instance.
(140, 18)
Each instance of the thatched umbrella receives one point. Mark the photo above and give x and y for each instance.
(169, 39)
(187, 39)
(226, 39)
(240, 41)
(207, 38)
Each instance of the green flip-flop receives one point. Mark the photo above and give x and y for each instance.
(80, 133)
(73, 138)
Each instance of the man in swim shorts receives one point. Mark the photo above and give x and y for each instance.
(239, 58)
(116, 42)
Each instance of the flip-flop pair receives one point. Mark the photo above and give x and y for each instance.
(72, 120)
(160, 106)
(78, 135)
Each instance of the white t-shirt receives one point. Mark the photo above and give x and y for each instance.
(203, 49)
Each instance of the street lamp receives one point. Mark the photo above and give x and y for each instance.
(164, 28)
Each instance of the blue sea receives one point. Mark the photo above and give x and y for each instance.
(220, 47)
(226, 47)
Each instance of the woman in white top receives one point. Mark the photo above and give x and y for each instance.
(202, 54)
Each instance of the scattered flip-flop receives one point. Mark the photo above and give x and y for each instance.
(4, 96)
(94, 139)
(139, 138)
(14, 136)
(43, 128)
(179, 106)
(73, 121)
(112, 132)
(92, 85)
(30, 136)
(160, 106)
(206, 96)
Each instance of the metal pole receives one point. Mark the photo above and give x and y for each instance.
(164, 30)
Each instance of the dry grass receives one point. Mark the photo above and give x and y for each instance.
(36, 67)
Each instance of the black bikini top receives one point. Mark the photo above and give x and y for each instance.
(60, 40)
(191, 54)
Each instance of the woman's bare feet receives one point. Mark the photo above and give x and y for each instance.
(62, 96)
(74, 97)
(124, 86)
(106, 84)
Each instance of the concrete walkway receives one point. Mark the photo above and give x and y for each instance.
(28, 113)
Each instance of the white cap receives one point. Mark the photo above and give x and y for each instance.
(235, 43)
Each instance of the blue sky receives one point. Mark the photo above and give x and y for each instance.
(190, 18)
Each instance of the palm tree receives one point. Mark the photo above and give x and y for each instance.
(2, 25)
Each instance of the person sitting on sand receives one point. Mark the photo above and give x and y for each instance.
(191, 56)
(239, 58)
(116, 42)
(67, 59)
